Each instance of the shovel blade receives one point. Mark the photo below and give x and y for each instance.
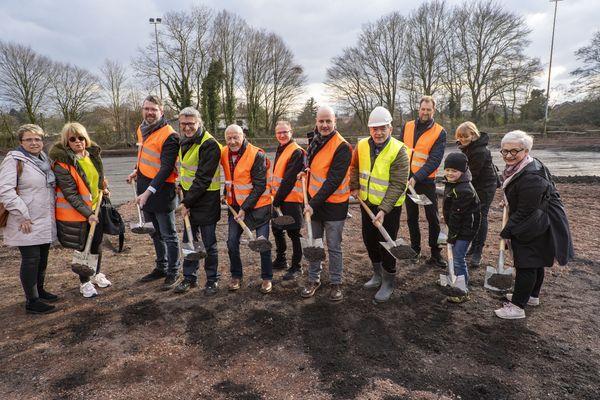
(142, 229)
(420, 199)
(399, 250)
(84, 264)
(259, 244)
(458, 282)
(193, 251)
(498, 281)
(284, 220)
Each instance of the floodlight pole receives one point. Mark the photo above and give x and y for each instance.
(544, 133)
(156, 21)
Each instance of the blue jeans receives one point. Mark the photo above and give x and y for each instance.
(211, 262)
(233, 249)
(459, 250)
(166, 243)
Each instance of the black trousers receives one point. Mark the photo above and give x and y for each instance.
(528, 282)
(281, 245)
(431, 213)
(372, 237)
(486, 199)
(96, 248)
(34, 260)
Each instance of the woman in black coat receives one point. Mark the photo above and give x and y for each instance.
(537, 226)
(484, 179)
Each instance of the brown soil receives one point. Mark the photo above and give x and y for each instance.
(134, 341)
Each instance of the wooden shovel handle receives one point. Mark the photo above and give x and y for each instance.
(88, 242)
(412, 190)
(504, 222)
(242, 223)
(306, 216)
(378, 224)
(139, 210)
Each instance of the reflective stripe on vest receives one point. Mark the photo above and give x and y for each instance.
(319, 167)
(419, 152)
(149, 153)
(374, 181)
(295, 195)
(241, 182)
(64, 210)
(188, 165)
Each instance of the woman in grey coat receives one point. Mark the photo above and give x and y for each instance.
(27, 192)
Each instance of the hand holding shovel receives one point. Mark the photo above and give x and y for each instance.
(500, 278)
(141, 227)
(313, 249)
(398, 249)
(419, 199)
(259, 244)
(83, 262)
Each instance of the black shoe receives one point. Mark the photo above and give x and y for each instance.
(292, 273)
(211, 288)
(185, 285)
(46, 296)
(280, 263)
(38, 307)
(170, 282)
(416, 255)
(154, 275)
(437, 260)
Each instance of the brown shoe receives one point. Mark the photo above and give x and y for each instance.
(234, 284)
(335, 294)
(310, 289)
(266, 287)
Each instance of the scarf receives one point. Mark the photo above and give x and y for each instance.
(316, 144)
(186, 142)
(43, 163)
(511, 170)
(147, 128)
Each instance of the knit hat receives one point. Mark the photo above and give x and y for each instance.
(457, 161)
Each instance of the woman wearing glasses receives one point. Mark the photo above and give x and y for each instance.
(484, 179)
(27, 193)
(80, 178)
(537, 226)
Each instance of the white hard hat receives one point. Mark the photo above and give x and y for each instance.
(379, 116)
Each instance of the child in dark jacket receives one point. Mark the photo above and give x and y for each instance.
(461, 213)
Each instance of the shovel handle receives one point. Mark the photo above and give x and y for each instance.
(450, 262)
(88, 242)
(242, 223)
(385, 234)
(188, 228)
(139, 210)
(412, 190)
(278, 211)
(306, 216)
(502, 245)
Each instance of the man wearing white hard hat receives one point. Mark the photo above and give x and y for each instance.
(378, 176)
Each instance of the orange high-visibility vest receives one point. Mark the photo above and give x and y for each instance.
(64, 211)
(419, 151)
(295, 195)
(240, 183)
(320, 166)
(149, 151)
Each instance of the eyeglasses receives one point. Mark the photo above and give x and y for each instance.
(282, 132)
(190, 124)
(72, 139)
(513, 152)
(32, 140)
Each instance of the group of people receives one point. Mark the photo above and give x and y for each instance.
(379, 171)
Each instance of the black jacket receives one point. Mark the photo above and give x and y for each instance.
(483, 170)
(163, 200)
(538, 233)
(461, 209)
(204, 205)
(74, 234)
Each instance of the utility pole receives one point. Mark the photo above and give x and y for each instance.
(156, 21)
(544, 133)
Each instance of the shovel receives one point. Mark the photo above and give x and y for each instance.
(419, 199)
(499, 279)
(312, 248)
(83, 262)
(457, 284)
(192, 250)
(283, 220)
(259, 244)
(140, 227)
(398, 249)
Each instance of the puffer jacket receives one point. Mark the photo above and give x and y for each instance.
(483, 170)
(72, 234)
(34, 201)
(461, 208)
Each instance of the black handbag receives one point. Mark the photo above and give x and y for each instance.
(112, 222)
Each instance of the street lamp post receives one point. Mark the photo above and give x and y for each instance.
(550, 67)
(156, 21)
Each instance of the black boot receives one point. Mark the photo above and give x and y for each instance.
(36, 306)
(436, 258)
(294, 272)
(280, 263)
(46, 296)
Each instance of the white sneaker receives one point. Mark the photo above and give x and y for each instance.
(510, 311)
(100, 280)
(533, 301)
(87, 289)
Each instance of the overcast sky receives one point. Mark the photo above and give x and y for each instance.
(85, 32)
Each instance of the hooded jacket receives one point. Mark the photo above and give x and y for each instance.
(72, 234)
(461, 208)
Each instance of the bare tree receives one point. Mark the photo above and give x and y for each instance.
(488, 38)
(24, 77)
(589, 74)
(74, 89)
(255, 72)
(520, 78)
(113, 82)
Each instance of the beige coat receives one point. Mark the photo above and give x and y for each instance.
(35, 201)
